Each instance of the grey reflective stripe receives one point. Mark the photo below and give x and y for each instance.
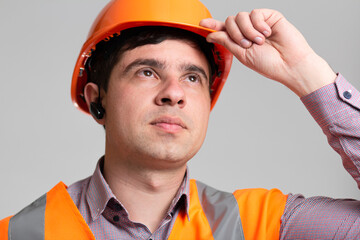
(29, 223)
(222, 212)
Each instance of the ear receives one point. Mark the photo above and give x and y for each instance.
(91, 94)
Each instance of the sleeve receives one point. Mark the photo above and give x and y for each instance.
(335, 108)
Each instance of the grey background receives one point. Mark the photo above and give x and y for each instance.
(260, 134)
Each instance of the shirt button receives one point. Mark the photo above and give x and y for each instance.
(347, 95)
(116, 218)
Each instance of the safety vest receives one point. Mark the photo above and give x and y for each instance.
(248, 213)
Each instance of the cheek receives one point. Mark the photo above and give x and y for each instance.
(201, 113)
(126, 106)
(204, 124)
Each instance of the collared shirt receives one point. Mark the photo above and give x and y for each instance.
(109, 219)
(335, 108)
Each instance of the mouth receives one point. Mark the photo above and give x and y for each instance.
(169, 124)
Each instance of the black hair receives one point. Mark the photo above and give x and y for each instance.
(109, 51)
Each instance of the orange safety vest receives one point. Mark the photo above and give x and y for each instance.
(248, 213)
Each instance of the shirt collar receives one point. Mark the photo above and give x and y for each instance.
(99, 193)
(182, 195)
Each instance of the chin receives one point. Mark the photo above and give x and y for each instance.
(169, 157)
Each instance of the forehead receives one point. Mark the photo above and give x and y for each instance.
(170, 52)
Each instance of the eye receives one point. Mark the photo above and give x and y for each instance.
(193, 78)
(147, 73)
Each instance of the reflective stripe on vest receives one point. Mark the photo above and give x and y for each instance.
(222, 212)
(29, 223)
(220, 208)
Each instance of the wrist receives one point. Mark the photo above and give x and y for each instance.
(313, 74)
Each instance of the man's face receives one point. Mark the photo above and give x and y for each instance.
(158, 104)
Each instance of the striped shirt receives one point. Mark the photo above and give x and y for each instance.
(335, 108)
(108, 218)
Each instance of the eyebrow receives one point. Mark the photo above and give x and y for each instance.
(194, 68)
(144, 62)
(161, 65)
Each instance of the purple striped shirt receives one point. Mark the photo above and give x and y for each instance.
(108, 218)
(335, 108)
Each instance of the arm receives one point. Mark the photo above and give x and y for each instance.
(337, 113)
(266, 42)
(336, 109)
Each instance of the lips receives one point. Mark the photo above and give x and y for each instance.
(169, 124)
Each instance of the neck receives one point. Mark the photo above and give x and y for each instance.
(145, 193)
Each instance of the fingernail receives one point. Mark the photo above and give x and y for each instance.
(266, 33)
(258, 40)
(245, 43)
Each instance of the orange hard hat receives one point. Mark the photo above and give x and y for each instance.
(119, 15)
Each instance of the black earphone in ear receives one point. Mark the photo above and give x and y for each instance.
(97, 110)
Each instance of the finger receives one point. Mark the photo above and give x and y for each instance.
(234, 32)
(246, 27)
(258, 19)
(223, 38)
(270, 17)
(212, 24)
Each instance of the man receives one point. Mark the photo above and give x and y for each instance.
(154, 102)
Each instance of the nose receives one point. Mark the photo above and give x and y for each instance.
(171, 94)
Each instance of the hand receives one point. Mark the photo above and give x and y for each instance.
(266, 42)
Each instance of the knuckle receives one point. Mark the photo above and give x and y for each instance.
(229, 19)
(255, 11)
(223, 37)
(214, 24)
(257, 24)
(241, 15)
(221, 41)
(248, 30)
(279, 14)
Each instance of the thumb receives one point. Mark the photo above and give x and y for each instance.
(212, 24)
